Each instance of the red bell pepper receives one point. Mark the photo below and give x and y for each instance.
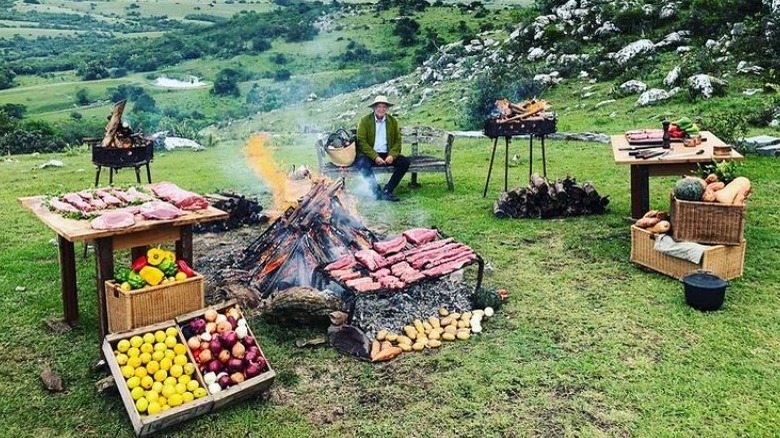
(183, 267)
(139, 263)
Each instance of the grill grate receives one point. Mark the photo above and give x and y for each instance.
(542, 125)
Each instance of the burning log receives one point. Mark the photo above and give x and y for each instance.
(242, 210)
(544, 199)
(119, 134)
(302, 306)
(320, 229)
(516, 112)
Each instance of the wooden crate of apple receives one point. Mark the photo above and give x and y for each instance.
(227, 353)
(156, 377)
(156, 267)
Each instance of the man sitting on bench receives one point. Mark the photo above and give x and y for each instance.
(379, 144)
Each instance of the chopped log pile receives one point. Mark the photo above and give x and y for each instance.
(318, 230)
(243, 211)
(543, 199)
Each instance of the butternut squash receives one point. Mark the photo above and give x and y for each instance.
(660, 228)
(709, 192)
(727, 194)
(647, 222)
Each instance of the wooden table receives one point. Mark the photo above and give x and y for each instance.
(669, 165)
(137, 238)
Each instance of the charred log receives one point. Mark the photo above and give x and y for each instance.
(302, 306)
(242, 211)
(543, 199)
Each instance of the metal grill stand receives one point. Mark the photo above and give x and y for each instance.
(535, 126)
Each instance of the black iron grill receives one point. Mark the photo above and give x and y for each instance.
(122, 157)
(531, 126)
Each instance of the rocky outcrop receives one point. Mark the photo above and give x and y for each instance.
(632, 50)
(673, 76)
(633, 87)
(706, 86)
(652, 96)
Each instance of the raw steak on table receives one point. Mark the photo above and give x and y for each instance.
(112, 220)
(160, 210)
(179, 197)
(75, 200)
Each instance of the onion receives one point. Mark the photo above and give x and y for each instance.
(235, 364)
(242, 322)
(249, 341)
(205, 356)
(224, 356)
(242, 331)
(234, 312)
(261, 362)
(225, 381)
(209, 378)
(197, 325)
(229, 338)
(250, 356)
(233, 322)
(204, 346)
(196, 355)
(214, 366)
(215, 346)
(211, 327)
(237, 377)
(210, 315)
(254, 349)
(214, 388)
(220, 318)
(238, 350)
(205, 336)
(252, 370)
(223, 327)
(193, 343)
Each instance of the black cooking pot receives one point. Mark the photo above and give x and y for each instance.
(704, 290)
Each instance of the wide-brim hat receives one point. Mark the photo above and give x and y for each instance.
(380, 99)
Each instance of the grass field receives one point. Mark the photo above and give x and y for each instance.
(588, 343)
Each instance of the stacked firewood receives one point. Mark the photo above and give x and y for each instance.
(544, 199)
(242, 211)
(517, 112)
(119, 134)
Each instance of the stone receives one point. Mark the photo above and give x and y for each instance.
(605, 102)
(672, 77)
(706, 86)
(651, 96)
(632, 50)
(753, 143)
(771, 151)
(51, 163)
(744, 67)
(534, 54)
(633, 87)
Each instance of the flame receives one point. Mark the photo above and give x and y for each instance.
(261, 159)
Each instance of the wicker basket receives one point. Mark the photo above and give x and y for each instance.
(725, 261)
(138, 308)
(707, 222)
(343, 157)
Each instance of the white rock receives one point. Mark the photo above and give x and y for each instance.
(705, 85)
(605, 102)
(744, 67)
(51, 163)
(651, 96)
(607, 28)
(674, 38)
(535, 53)
(632, 50)
(672, 77)
(751, 91)
(583, 74)
(633, 87)
(684, 49)
(668, 10)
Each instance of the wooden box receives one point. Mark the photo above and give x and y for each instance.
(246, 389)
(148, 424)
(707, 222)
(725, 261)
(138, 308)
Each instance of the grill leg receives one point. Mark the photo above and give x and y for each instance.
(490, 169)
(137, 174)
(506, 162)
(111, 171)
(530, 156)
(97, 176)
(148, 173)
(544, 158)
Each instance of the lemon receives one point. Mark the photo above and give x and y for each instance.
(140, 372)
(160, 375)
(136, 341)
(148, 338)
(170, 381)
(125, 286)
(123, 345)
(180, 360)
(152, 396)
(180, 349)
(180, 388)
(187, 397)
(185, 379)
(160, 346)
(145, 358)
(160, 336)
(153, 366)
(121, 359)
(133, 352)
(193, 385)
(189, 368)
(141, 404)
(147, 348)
(137, 393)
(199, 392)
(157, 386)
(153, 408)
(171, 331)
(170, 354)
(158, 355)
(147, 382)
(165, 364)
(134, 362)
(165, 407)
(168, 391)
(162, 401)
(133, 382)
(176, 370)
(127, 371)
(175, 400)
(180, 276)
(171, 341)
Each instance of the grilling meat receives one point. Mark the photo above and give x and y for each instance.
(418, 236)
(390, 246)
(370, 259)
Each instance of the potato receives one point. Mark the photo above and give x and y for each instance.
(434, 343)
(455, 315)
(405, 347)
(434, 335)
(427, 327)
(463, 335)
(381, 335)
(375, 348)
(446, 321)
(410, 331)
(434, 322)
(466, 316)
(479, 312)
(438, 331)
(404, 340)
(392, 337)
(418, 325)
(448, 336)
(419, 346)
(462, 324)
(450, 329)
(443, 312)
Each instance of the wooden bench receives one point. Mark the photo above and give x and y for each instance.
(431, 151)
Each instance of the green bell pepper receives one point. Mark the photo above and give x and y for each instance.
(135, 280)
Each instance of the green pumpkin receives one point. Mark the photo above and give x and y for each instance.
(689, 189)
(487, 298)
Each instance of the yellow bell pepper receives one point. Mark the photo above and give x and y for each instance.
(155, 256)
(170, 255)
(151, 275)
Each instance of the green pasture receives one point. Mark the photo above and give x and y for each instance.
(587, 345)
(147, 8)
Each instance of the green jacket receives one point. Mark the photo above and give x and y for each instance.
(366, 134)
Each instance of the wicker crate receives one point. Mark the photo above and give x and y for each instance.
(725, 261)
(138, 308)
(707, 222)
(149, 424)
(247, 389)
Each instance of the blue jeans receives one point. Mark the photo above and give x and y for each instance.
(365, 166)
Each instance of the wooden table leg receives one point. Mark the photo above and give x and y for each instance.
(184, 244)
(640, 191)
(490, 169)
(70, 298)
(104, 270)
